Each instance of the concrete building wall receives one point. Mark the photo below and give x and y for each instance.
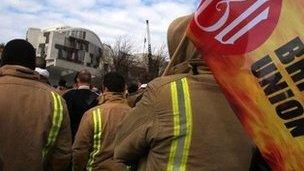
(92, 37)
(54, 38)
(33, 36)
(87, 59)
(67, 50)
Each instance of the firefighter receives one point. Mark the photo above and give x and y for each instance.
(94, 143)
(183, 121)
(34, 128)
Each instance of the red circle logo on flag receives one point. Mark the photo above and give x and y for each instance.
(235, 26)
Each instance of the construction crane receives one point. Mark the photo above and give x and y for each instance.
(149, 40)
(150, 60)
(152, 64)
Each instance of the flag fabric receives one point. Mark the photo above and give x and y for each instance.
(255, 50)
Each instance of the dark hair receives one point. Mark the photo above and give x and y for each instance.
(132, 87)
(41, 63)
(19, 52)
(84, 76)
(75, 77)
(62, 83)
(114, 82)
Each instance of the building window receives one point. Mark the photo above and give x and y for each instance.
(84, 35)
(81, 55)
(69, 55)
(60, 54)
(42, 50)
(47, 37)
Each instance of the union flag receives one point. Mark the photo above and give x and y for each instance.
(255, 50)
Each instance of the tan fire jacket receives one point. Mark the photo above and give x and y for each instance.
(134, 98)
(34, 123)
(183, 121)
(94, 143)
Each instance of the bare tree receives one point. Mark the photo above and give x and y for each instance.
(123, 59)
(2, 45)
(139, 67)
(1, 49)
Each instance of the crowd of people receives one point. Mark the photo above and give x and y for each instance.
(180, 121)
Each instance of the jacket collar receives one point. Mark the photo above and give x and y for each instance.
(18, 71)
(181, 49)
(84, 87)
(111, 97)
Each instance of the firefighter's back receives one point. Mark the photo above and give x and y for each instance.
(184, 122)
(26, 109)
(34, 126)
(199, 129)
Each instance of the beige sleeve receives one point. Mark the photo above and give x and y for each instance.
(83, 143)
(135, 131)
(61, 154)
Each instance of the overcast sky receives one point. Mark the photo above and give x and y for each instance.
(108, 18)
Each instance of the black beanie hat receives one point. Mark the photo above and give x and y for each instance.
(19, 52)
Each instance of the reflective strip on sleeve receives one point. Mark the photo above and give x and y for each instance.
(97, 138)
(57, 118)
(182, 125)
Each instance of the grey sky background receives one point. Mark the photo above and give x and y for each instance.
(109, 19)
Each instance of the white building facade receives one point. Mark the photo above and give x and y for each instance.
(68, 50)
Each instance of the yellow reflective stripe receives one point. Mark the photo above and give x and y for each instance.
(182, 125)
(188, 109)
(57, 118)
(96, 138)
(176, 125)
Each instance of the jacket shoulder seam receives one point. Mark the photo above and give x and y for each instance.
(47, 89)
(167, 82)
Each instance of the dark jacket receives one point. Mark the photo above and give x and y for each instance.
(78, 102)
(258, 163)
